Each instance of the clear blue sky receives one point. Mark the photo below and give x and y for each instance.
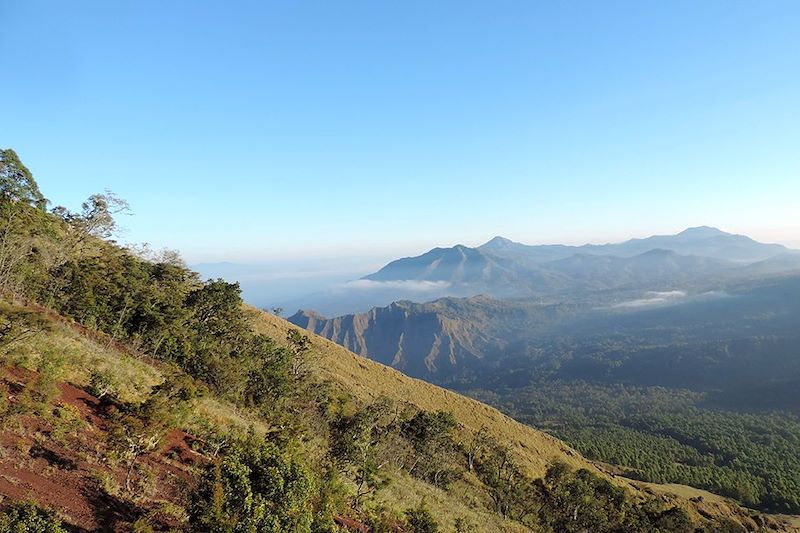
(249, 130)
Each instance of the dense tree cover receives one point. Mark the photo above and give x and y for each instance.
(202, 334)
(670, 436)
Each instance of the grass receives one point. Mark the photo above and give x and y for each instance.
(405, 492)
(77, 357)
(533, 449)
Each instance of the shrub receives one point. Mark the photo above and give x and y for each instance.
(420, 520)
(253, 488)
(28, 518)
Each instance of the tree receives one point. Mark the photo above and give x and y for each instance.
(299, 346)
(355, 444)
(253, 488)
(98, 212)
(431, 435)
(17, 183)
(19, 324)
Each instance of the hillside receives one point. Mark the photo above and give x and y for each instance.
(138, 397)
(369, 380)
(54, 461)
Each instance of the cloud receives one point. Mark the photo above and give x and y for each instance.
(404, 285)
(652, 298)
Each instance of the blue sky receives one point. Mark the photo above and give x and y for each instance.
(249, 131)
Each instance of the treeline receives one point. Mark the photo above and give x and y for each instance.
(322, 455)
(669, 436)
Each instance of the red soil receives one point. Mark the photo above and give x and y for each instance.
(63, 473)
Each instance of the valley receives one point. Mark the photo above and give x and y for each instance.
(685, 372)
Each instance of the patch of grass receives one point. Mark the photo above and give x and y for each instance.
(406, 492)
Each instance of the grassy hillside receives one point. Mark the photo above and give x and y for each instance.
(65, 462)
(368, 380)
(136, 397)
(534, 449)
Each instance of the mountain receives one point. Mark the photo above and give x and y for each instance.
(146, 399)
(505, 269)
(652, 268)
(704, 241)
(431, 339)
(461, 266)
(700, 241)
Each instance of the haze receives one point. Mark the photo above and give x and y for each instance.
(348, 130)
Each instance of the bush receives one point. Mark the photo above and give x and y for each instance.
(253, 488)
(28, 518)
(420, 520)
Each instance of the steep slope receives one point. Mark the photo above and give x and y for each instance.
(369, 380)
(433, 339)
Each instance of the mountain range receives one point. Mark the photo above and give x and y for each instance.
(693, 259)
(504, 268)
(511, 296)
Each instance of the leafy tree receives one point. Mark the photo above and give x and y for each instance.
(355, 445)
(17, 183)
(253, 488)
(97, 216)
(431, 434)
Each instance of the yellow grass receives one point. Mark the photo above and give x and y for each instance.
(534, 450)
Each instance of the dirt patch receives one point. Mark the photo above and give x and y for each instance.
(73, 473)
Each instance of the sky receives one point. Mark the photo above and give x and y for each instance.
(328, 133)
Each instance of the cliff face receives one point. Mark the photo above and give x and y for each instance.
(418, 340)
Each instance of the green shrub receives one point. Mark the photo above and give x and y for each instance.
(253, 488)
(28, 518)
(420, 520)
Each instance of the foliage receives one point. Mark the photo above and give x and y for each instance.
(254, 487)
(420, 520)
(16, 181)
(28, 518)
(668, 436)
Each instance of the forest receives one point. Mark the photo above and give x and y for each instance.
(668, 436)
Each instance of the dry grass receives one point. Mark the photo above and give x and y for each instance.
(406, 492)
(79, 356)
(367, 380)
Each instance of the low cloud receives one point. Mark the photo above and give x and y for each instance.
(652, 298)
(403, 285)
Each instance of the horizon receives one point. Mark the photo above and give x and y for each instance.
(274, 132)
(791, 245)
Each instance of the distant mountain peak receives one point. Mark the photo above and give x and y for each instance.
(500, 243)
(499, 240)
(703, 231)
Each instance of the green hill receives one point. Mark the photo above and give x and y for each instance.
(137, 397)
